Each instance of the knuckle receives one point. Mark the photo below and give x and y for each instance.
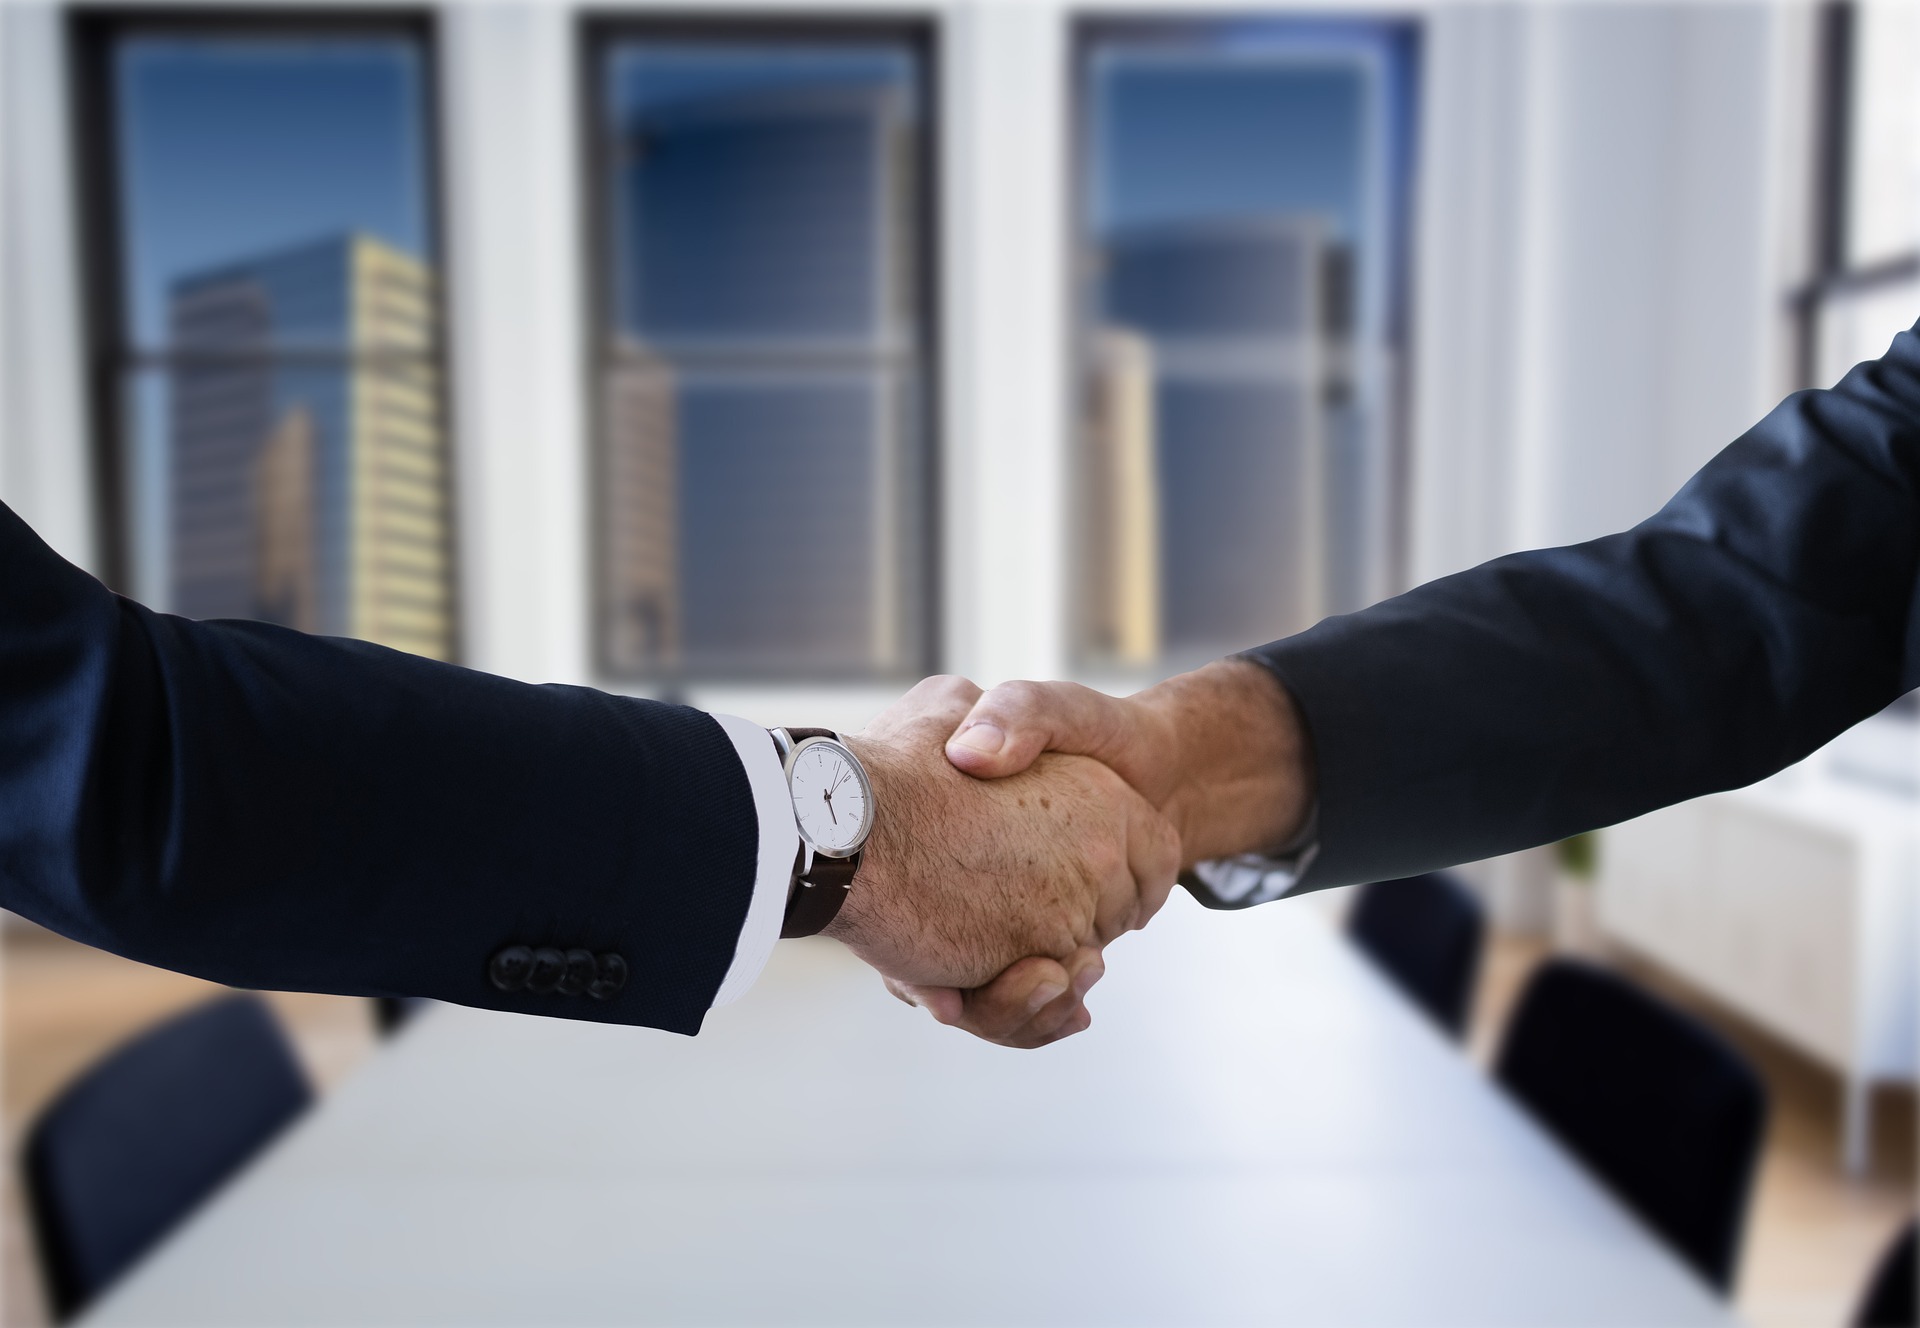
(947, 686)
(1162, 855)
(1057, 930)
(1019, 696)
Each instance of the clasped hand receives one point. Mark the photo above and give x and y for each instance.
(1027, 827)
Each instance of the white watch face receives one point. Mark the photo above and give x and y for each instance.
(831, 799)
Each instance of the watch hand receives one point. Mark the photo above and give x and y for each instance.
(828, 799)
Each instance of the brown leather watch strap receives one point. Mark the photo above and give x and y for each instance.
(814, 900)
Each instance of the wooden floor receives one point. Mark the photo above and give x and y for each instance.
(1814, 1233)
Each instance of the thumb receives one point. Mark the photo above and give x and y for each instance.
(1013, 723)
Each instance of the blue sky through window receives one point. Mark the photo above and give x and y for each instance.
(658, 75)
(234, 147)
(1191, 141)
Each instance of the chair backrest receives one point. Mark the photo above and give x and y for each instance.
(1659, 1106)
(390, 1013)
(142, 1137)
(1893, 1299)
(1426, 932)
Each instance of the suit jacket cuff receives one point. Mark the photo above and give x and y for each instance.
(779, 843)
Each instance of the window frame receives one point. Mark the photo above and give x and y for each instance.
(1084, 31)
(110, 357)
(1834, 274)
(597, 30)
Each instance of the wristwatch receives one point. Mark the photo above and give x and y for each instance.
(833, 808)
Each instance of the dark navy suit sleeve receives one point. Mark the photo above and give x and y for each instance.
(1769, 606)
(269, 809)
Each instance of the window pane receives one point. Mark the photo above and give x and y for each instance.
(1243, 205)
(1883, 209)
(284, 450)
(265, 155)
(762, 422)
(755, 518)
(1853, 326)
(306, 495)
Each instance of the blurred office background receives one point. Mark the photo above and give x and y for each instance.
(770, 357)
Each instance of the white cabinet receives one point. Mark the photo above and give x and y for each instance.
(1793, 903)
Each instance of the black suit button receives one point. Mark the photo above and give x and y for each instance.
(509, 968)
(548, 965)
(579, 974)
(613, 976)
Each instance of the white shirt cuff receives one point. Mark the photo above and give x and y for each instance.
(779, 842)
(1250, 878)
(1259, 878)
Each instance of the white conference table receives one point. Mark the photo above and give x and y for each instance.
(1256, 1130)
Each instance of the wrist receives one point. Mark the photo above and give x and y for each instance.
(865, 902)
(1238, 762)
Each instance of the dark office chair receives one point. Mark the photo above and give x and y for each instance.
(390, 1012)
(1657, 1104)
(1426, 932)
(1891, 1300)
(141, 1138)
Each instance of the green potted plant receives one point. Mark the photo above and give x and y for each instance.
(1576, 927)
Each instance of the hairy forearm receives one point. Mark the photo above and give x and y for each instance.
(1235, 767)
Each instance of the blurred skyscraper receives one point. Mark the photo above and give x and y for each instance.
(642, 498)
(306, 459)
(1120, 501)
(1226, 321)
(1241, 318)
(762, 398)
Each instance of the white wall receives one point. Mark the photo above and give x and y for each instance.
(1659, 297)
(516, 343)
(1602, 278)
(45, 473)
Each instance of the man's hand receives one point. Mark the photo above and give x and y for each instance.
(1221, 751)
(963, 877)
(1034, 1002)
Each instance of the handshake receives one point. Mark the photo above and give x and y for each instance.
(1020, 831)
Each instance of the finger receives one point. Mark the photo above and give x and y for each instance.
(994, 1012)
(1153, 856)
(1133, 879)
(1061, 1020)
(940, 700)
(945, 1004)
(997, 1009)
(1032, 989)
(944, 691)
(1026, 1006)
(937, 1001)
(1077, 1020)
(1132, 861)
(1080, 1023)
(1012, 724)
